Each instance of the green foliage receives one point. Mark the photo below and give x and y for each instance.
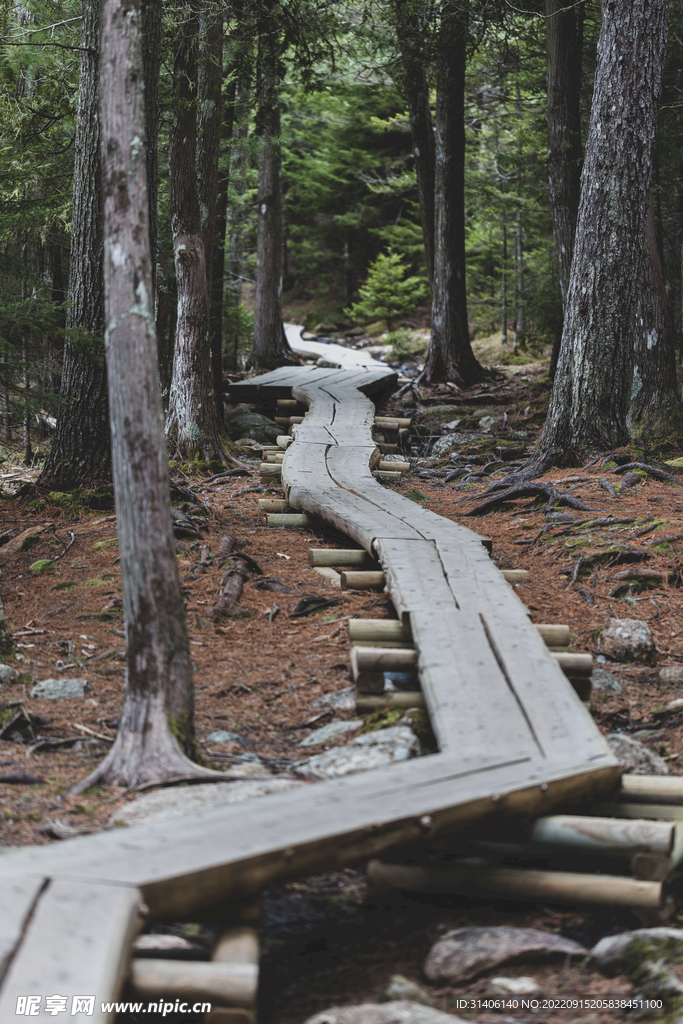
(388, 294)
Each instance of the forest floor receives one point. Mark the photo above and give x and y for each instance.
(324, 942)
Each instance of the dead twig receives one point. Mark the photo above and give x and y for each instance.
(528, 490)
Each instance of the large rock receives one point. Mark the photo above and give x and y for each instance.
(671, 674)
(634, 757)
(243, 422)
(628, 640)
(402, 990)
(622, 953)
(168, 804)
(604, 682)
(8, 675)
(60, 689)
(384, 1013)
(373, 750)
(342, 700)
(467, 952)
(330, 732)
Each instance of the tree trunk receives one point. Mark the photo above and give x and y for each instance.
(270, 344)
(504, 287)
(564, 130)
(416, 92)
(80, 455)
(655, 409)
(593, 381)
(450, 356)
(157, 714)
(192, 421)
(234, 264)
(520, 324)
(209, 138)
(151, 65)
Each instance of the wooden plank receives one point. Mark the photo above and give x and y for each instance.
(77, 943)
(18, 897)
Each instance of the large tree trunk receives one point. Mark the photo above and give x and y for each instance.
(655, 409)
(157, 715)
(234, 261)
(593, 380)
(209, 138)
(270, 344)
(450, 356)
(416, 92)
(80, 455)
(192, 422)
(564, 130)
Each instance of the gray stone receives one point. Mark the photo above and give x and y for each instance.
(243, 422)
(403, 990)
(604, 682)
(671, 674)
(560, 517)
(616, 952)
(520, 435)
(523, 986)
(451, 425)
(330, 732)
(247, 769)
(172, 803)
(342, 700)
(60, 689)
(467, 952)
(489, 422)
(223, 736)
(8, 675)
(628, 640)
(373, 750)
(447, 444)
(384, 1013)
(634, 757)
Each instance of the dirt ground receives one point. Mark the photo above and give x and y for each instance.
(325, 941)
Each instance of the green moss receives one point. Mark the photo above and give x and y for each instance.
(382, 719)
(24, 679)
(64, 585)
(98, 581)
(101, 499)
(216, 466)
(42, 564)
(61, 498)
(415, 495)
(31, 542)
(103, 545)
(418, 719)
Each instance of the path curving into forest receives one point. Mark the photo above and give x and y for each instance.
(346, 358)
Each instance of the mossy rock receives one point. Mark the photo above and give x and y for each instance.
(42, 565)
(216, 466)
(104, 545)
(201, 466)
(31, 542)
(100, 500)
(61, 498)
(382, 719)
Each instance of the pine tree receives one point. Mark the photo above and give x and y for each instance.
(388, 294)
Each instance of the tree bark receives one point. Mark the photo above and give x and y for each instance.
(209, 138)
(151, 66)
(416, 92)
(593, 380)
(563, 56)
(192, 421)
(450, 356)
(157, 715)
(80, 455)
(234, 263)
(655, 409)
(270, 344)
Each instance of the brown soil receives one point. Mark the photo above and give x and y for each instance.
(324, 943)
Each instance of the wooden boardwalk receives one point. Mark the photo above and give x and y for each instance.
(514, 738)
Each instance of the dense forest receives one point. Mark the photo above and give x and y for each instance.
(300, 150)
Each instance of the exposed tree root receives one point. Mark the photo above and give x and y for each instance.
(528, 490)
(658, 474)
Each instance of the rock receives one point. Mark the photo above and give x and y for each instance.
(394, 458)
(628, 640)
(342, 700)
(450, 426)
(635, 758)
(444, 445)
(172, 803)
(60, 689)
(248, 768)
(560, 517)
(384, 1013)
(520, 435)
(330, 732)
(223, 736)
(8, 675)
(464, 953)
(243, 422)
(402, 989)
(617, 953)
(373, 750)
(489, 422)
(604, 682)
(671, 674)
(512, 987)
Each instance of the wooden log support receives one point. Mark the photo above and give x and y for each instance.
(655, 789)
(289, 521)
(339, 556)
(368, 703)
(392, 467)
(383, 659)
(385, 475)
(363, 580)
(554, 636)
(517, 883)
(379, 633)
(282, 421)
(235, 946)
(270, 469)
(603, 835)
(226, 984)
(284, 440)
(397, 422)
(293, 420)
(575, 664)
(289, 405)
(275, 505)
(516, 575)
(275, 458)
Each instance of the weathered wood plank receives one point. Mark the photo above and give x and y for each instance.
(77, 943)
(18, 897)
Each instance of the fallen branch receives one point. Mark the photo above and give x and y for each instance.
(228, 602)
(657, 474)
(528, 490)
